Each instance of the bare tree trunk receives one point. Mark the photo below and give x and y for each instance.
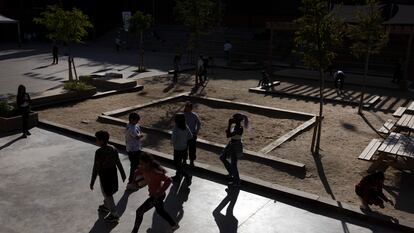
(70, 69)
(364, 80)
(74, 69)
(141, 52)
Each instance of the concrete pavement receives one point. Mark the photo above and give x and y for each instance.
(44, 188)
(31, 65)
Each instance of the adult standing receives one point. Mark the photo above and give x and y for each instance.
(199, 71)
(133, 137)
(194, 124)
(55, 51)
(227, 50)
(23, 107)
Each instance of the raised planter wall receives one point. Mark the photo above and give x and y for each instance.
(15, 123)
(62, 98)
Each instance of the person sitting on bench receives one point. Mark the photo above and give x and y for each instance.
(369, 190)
(265, 81)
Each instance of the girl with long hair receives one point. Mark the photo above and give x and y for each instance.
(234, 148)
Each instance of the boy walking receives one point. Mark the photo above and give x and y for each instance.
(133, 137)
(105, 166)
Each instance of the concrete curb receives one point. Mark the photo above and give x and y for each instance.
(257, 186)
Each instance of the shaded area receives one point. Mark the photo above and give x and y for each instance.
(227, 223)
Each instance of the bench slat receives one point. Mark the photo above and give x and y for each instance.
(399, 112)
(386, 128)
(370, 150)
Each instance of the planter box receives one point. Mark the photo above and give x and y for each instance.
(15, 123)
(62, 97)
(111, 83)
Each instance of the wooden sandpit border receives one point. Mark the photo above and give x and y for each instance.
(260, 156)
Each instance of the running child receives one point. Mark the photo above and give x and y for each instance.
(158, 182)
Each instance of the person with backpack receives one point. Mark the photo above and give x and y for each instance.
(158, 182)
(106, 166)
(234, 148)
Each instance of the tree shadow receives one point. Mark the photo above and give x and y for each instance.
(325, 183)
(227, 223)
(42, 67)
(101, 226)
(11, 142)
(370, 125)
(174, 205)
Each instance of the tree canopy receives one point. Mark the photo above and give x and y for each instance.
(66, 26)
(140, 21)
(319, 34)
(200, 16)
(368, 36)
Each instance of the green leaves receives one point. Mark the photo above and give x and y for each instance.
(368, 36)
(319, 34)
(200, 16)
(140, 22)
(64, 26)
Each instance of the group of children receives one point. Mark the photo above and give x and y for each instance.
(145, 171)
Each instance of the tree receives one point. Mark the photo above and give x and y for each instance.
(65, 26)
(318, 34)
(368, 37)
(139, 22)
(200, 17)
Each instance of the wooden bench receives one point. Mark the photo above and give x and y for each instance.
(370, 150)
(399, 112)
(272, 84)
(372, 101)
(387, 126)
(410, 107)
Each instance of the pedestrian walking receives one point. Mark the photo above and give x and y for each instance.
(133, 144)
(206, 66)
(398, 73)
(194, 124)
(176, 64)
(158, 182)
(234, 148)
(23, 108)
(199, 71)
(227, 50)
(55, 51)
(179, 139)
(339, 79)
(105, 166)
(117, 43)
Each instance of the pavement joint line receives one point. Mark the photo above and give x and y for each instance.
(254, 213)
(254, 185)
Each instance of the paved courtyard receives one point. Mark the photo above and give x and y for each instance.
(30, 65)
(44, 188)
